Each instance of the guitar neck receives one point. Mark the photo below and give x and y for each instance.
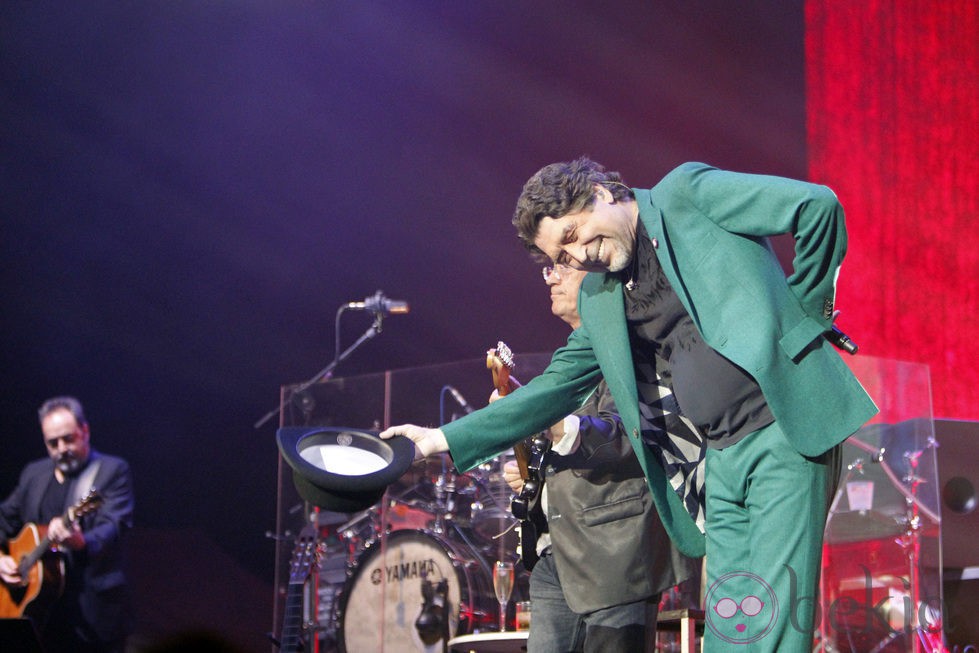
(521, 450)
(521, 453)
(43, 546)
(304, 558)
(292, 639)
(69, 518)
(28, 561)
(500, 362)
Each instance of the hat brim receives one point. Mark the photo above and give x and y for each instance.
(343, 469)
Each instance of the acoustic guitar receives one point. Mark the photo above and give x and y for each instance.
(41, 568)
(526, 506)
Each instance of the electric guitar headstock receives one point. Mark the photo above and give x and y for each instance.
(500, 362)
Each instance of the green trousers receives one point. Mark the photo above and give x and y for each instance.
(766, 512)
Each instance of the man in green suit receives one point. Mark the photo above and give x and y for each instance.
(686, 288)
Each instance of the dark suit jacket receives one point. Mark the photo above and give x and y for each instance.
(607, 540)
(709, 227)
(100, 566)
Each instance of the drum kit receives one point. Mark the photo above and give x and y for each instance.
(414, 570)
(411, 567)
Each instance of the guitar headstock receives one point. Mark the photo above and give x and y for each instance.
(500, 362)
(304, 556)
(89, 503)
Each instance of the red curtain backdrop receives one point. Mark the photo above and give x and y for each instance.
(893, 128)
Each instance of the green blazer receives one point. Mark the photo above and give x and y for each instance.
(709, 229)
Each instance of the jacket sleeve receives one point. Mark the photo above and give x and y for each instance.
(763, 205)
(602, 436)
(558, 391)
(105, 527)
(11, 516)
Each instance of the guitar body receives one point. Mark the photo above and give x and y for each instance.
(527, 506)
(43, 583)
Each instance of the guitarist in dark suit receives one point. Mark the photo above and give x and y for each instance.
(606, 557)
(92, 612)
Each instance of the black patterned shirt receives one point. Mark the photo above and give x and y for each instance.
(720, 398)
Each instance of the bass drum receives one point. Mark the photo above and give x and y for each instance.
(395, 581)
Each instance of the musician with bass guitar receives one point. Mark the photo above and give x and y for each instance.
(62, 531)
(606, 558)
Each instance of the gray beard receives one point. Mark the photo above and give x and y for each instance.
(69, 466)
(619, 262)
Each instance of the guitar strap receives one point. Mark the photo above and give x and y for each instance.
(84, 483)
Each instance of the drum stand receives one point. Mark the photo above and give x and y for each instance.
(924, 638)
(351, 536)
(445, 498)
(825, 644)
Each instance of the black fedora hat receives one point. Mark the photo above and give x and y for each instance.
(343, 469)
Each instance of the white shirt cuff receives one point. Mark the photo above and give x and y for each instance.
(569, 443)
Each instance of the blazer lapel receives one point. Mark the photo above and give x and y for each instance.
(652, 219)
(603, 311)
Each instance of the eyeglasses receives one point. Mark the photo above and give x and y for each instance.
(750, 606)
(552, 273)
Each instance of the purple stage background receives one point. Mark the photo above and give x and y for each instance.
(189, 191)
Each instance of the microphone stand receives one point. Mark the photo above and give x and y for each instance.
(327, 372)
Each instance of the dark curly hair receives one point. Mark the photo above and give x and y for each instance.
(562, 188)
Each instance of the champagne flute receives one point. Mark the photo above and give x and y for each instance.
(503, 585)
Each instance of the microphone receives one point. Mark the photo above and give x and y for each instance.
(378, 303)
(841, 341)
(460, 399)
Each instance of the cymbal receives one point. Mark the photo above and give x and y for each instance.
(858, 525)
